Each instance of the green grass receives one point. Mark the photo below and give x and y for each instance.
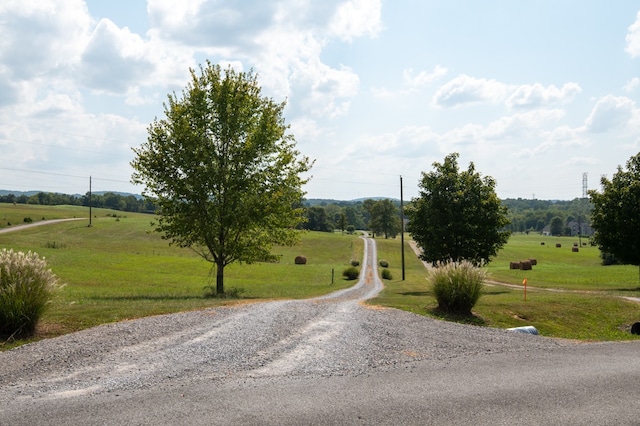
(14, 214)
(587, 307)
(118, 269)
(562, 268)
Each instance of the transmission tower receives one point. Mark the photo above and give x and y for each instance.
(584, 185)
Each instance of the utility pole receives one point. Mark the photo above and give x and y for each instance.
(90, 214)
(402, 227)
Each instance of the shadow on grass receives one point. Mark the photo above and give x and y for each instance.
(495, 293)
(147, 297)
(457, 317)
(630, 290)
(416, 293)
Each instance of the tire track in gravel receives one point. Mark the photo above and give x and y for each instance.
(264, 339)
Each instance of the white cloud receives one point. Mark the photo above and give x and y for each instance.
(632, 84)
(412, 82)
(464, 90)
(39, 38)
(423, 78)
(357, 18)
(467, 90)
(633, 38)
(536, 95)
(114, 59)
(609, 113)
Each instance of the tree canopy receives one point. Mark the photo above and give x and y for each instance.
(223, 170)
(616, 213)
(385, 217)
(458, 215)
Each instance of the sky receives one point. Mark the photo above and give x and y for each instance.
(542, 96)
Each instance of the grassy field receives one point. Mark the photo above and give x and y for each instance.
(570, 295)
(15, 214)
(118, 269)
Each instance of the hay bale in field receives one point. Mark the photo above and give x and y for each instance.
(558, 245)
(575, 249)
(542, 243)
(525, 265)
(575, 244)
(534, 262)
(300, 260)
(514, 265)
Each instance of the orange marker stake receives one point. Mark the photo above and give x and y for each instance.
(524, 283)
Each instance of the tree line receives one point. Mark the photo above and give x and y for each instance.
(108, 200)
(380, 216)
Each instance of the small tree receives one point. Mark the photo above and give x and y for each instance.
(616, 214)
(384, 218)
(556, 226)
(457, 216)
(223, 170)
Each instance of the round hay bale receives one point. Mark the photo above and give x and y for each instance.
(300, 260)
(514, 265)
(542, 243)
(534, 262)
(525, 265)
(575, 244)
(635, 328)
(575, 249)
(558, 245)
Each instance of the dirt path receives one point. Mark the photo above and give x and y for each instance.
(32, 225)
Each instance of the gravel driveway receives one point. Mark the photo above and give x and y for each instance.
(326, 337)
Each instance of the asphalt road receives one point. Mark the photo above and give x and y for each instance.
(324, 361)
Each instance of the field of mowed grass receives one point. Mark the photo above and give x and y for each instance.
(15, 214)
(560, 267)
(570, 295)
(120, 269)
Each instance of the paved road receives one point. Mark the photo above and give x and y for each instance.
(328, 360)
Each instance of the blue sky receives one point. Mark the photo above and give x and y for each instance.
(535, 94)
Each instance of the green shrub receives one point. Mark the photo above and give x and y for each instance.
(608, 259)
(355, 263)
(384, 264)
(351, 229)
(457, 286)
(386, 274)
(54, 245)
(351, 273)
(27, 220)
(26, 285)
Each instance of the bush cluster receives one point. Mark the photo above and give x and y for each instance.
(386, 274)
(26, 285)
(355, 263)
(351, 273)
(457, 286)
(384, 264)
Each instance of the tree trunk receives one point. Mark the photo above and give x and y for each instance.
(219, 278)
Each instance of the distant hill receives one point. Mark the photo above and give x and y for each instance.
(30, 193)
(310, 202)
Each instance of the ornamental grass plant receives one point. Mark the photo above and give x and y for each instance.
(457, 286)
(26, 286)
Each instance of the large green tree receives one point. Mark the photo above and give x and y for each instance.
(616, 213)
(385, 218)
(458, 215)
(223, 169)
